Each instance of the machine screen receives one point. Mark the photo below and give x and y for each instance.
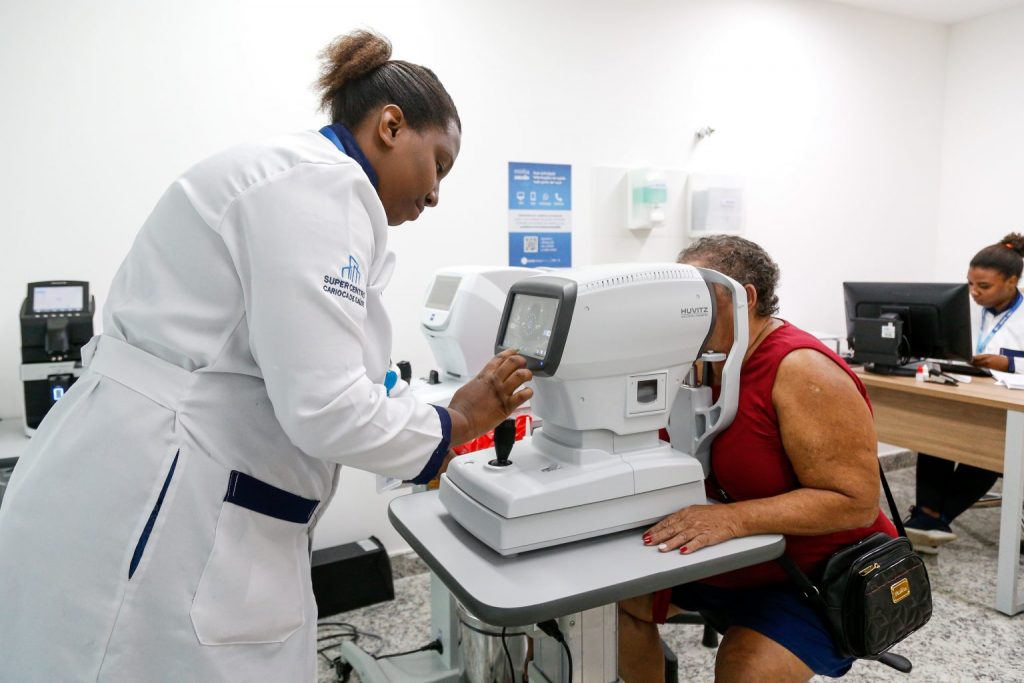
(529, 324)
(443, 292)
(52, 299)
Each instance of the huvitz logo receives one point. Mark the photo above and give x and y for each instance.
(694, 312)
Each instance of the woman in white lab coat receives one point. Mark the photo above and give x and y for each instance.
(159, 526)
(946, 489)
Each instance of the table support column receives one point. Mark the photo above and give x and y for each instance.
(592, 637)
(1010, 517)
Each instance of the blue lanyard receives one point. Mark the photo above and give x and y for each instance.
(984, 341)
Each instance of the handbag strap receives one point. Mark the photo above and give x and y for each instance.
(892, 503)
(803, 582)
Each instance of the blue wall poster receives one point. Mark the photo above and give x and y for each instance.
(539, 215)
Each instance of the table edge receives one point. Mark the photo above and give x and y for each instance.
(531, 614)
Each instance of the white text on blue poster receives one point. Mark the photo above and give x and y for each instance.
(540, 215)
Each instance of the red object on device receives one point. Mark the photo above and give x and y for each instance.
(487, 440)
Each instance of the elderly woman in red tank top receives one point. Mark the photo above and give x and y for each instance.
(800, 459)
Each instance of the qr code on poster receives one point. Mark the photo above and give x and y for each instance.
(530, 244)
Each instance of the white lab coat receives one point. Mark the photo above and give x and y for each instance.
(244, 332)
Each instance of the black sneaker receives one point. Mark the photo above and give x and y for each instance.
(925, 531)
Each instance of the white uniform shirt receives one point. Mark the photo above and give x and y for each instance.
(1008, 340)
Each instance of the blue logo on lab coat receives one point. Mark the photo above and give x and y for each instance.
(351, 272)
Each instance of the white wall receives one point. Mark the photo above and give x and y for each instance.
(831, 113)
(983, 144)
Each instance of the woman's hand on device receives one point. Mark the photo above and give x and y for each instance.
(693, 528)
(490, 397)
(992, 361)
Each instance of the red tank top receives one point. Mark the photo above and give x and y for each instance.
(748, 460)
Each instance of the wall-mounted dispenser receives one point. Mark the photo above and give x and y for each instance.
(646, 198)
(715, 205)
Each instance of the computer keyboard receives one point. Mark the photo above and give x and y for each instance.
(964, 369)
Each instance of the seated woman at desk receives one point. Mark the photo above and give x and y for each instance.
(799, 459)
(946, 489)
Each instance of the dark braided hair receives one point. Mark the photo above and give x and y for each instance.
(1005, 256)
(743, 261)
(358, 76)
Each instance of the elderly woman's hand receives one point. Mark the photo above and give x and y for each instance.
(694, 527)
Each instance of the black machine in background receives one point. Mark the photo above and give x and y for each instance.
(350, 576)
(56, 322)
(892, 326)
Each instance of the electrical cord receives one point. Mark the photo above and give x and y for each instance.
(904, 357)
(352, 633)
(491, 634)
(342, 669)
(568, 656)
(322, 651)
(550, 627)
(432, 645)
(508, 655)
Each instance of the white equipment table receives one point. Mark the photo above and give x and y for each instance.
(578, 584)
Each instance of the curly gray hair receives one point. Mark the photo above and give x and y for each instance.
(743, 261)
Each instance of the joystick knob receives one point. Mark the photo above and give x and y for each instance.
(405, 371)
(504, 439)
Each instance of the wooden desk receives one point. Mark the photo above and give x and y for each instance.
(980, 424)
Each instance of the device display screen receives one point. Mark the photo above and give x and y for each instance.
(530, 323)
(443, 292)
(58, 298)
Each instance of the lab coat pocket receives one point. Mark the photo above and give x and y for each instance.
(251, 590)
(140, 546)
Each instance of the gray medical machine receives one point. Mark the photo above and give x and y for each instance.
(614, 351)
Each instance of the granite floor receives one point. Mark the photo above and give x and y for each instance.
(966, 640)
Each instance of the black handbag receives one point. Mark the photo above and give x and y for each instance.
(872, 594)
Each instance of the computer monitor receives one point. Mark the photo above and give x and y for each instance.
(892, 324)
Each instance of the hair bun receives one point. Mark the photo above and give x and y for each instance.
(1014, 241)
(348, 57)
